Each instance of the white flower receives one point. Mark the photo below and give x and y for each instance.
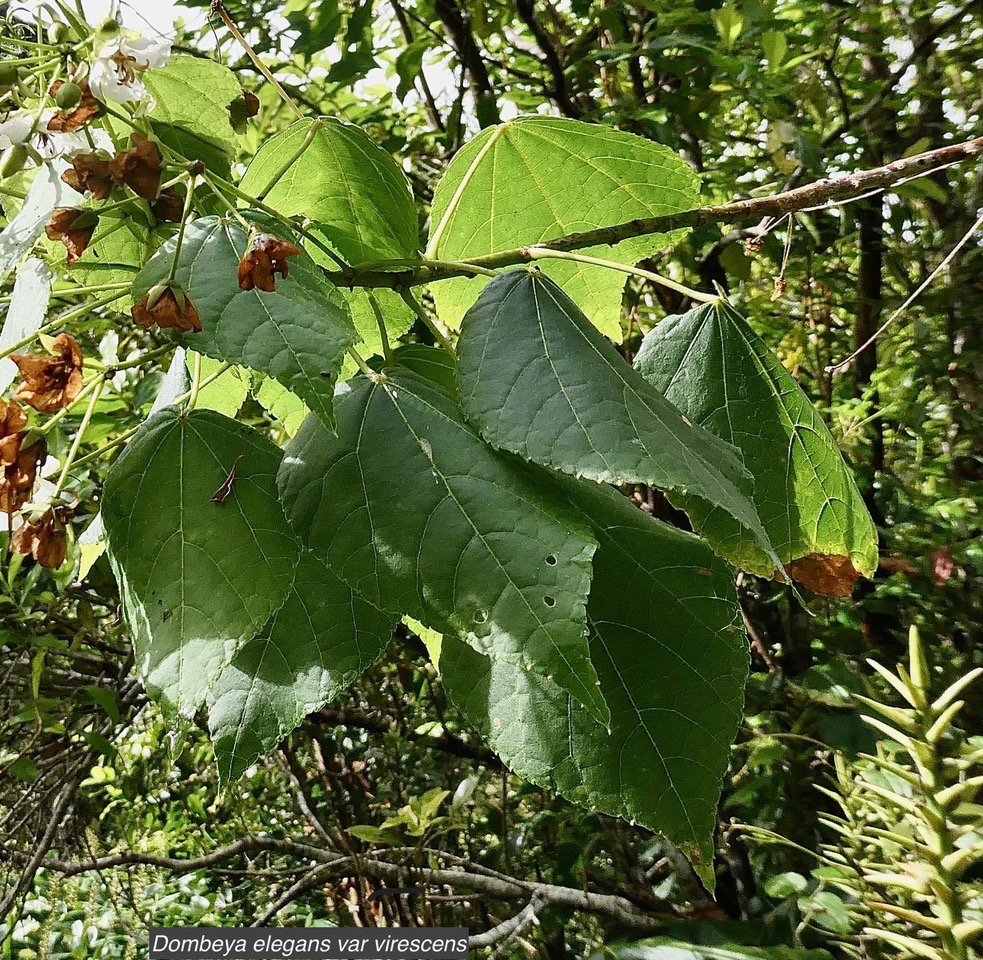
(26, 126)
(115, 76)
(16, 128)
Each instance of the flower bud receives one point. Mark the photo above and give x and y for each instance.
(69, 95)
(58, 33)
(108, 30)
(13, 160)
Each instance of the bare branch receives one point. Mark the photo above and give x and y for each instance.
(332, 866)
(70, 868)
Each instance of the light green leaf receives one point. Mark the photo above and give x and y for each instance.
(297, 334)
(537, 178)
(396, 315)
(198, 578)
(277, 400)
(91, 546)
(538, 380)
(431, 639)
(729, 23)
(411, 508)
(226, 393)
(712, 366)
(191, 115)
(671, 656)
(352, 190)
(775, 46)
(372, 834)
(314, 646)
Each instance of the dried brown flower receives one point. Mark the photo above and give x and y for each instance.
(140, 167)
(62, 226)
(90, 172)
(169, 206)
(53, 382)
(45, 538)
(168, 310)
(18, 464)
(18, 478)
(266, 257)
(12, 422)
(87, 108)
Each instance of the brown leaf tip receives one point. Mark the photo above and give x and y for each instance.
(832, 576)
(53, 382)
(265, 257)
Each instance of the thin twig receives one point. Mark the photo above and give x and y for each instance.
(904, 306)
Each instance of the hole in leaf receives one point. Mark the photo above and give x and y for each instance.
(551, 560)
(480, 616)
(549, 601)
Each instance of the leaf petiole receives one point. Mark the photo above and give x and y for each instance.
(380, 320)
(547, 253)
(428, 322)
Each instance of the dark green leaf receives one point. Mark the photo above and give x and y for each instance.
(314, 646)
(297, 334)
(537, 379)
(412, 509)
(671, 657)
(712, 366)
(198, 578)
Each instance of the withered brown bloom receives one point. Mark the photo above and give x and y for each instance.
(88, 107)
(12, 422)
(169, 206)
(90, 172)
(43, 538)
(168, 310)
(140, 167)
(18, 478)
(266, 257)
(18, 464)
(52, 382)
(62, 226)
